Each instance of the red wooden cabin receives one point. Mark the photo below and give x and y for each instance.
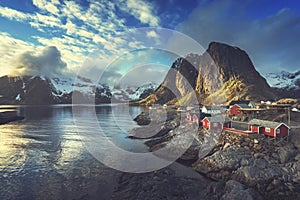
(197, 119)
(235, 109)
(269, 128)
(188, 116)
(216, 123)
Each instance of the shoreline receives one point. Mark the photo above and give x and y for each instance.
(9, 116)
(245, 165)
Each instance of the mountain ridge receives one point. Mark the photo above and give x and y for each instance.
(221, 74)
(59, 90)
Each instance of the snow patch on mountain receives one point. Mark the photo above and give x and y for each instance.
(284, 79)
(131, 93)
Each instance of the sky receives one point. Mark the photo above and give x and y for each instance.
(112, 39)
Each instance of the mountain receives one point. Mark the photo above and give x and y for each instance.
(284, 79)
(131, 93)
(222, 74)
(44, 90)
(285, 84)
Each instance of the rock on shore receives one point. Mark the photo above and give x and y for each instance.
(271, 168)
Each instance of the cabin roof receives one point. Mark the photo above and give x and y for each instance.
(242, 105)
(215, 107)
(266, 123)
(219, 118)
(201, 115)
(240, 102)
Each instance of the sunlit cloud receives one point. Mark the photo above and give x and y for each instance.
(10, 48)
(13, 14)
(48, 5)
(141, 10)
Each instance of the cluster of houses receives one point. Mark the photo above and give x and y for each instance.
(222, 118)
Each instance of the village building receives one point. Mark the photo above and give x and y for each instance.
(236, 109)
(250, 104)
(188, 116)
(269, 128)
(216, 122)
(213, 110)
(198, 117)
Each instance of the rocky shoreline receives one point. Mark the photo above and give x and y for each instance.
(236, 167)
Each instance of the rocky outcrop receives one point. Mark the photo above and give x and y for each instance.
(270, 168)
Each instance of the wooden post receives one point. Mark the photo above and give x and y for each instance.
(289, 116)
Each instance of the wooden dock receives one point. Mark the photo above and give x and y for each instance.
(233, 130)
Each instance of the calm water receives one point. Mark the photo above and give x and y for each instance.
(42, 157)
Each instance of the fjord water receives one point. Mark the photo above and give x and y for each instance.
(43, 157)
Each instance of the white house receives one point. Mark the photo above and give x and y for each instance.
(213, 110)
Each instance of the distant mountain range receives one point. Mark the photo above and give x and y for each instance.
(44, 90)
(222, 74)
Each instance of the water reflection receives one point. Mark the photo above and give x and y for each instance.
(43, 156)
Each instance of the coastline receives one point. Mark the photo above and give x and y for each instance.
(239, 166)
(9, 116)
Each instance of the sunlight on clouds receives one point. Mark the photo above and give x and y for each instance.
(70, 27)
(141, 10)
(152, 34)
(84, 33)
(10, 48)
(69, 47)
(77, 31)
(48, 5)
(46, 20)
(13, 14)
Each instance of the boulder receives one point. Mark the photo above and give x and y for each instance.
(236, 190)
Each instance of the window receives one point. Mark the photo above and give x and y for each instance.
(268, 130)
(278, 131)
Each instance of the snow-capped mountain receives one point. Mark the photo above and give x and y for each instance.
(131, 93)
(284, 80)
(44, 90)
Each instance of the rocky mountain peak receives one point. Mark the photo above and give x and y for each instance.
(223, 71)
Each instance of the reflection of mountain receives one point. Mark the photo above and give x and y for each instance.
(43, 90)
(222, 73)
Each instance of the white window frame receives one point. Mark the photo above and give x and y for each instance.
(268, 130)
(278, 131)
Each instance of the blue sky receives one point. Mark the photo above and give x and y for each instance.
(63, 34)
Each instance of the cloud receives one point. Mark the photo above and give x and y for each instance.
(152, 34)
(48, 5)
(10, 48)
(141, 10)
(48, 63)
(77, 30)
(270, 40)
(13, 14)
